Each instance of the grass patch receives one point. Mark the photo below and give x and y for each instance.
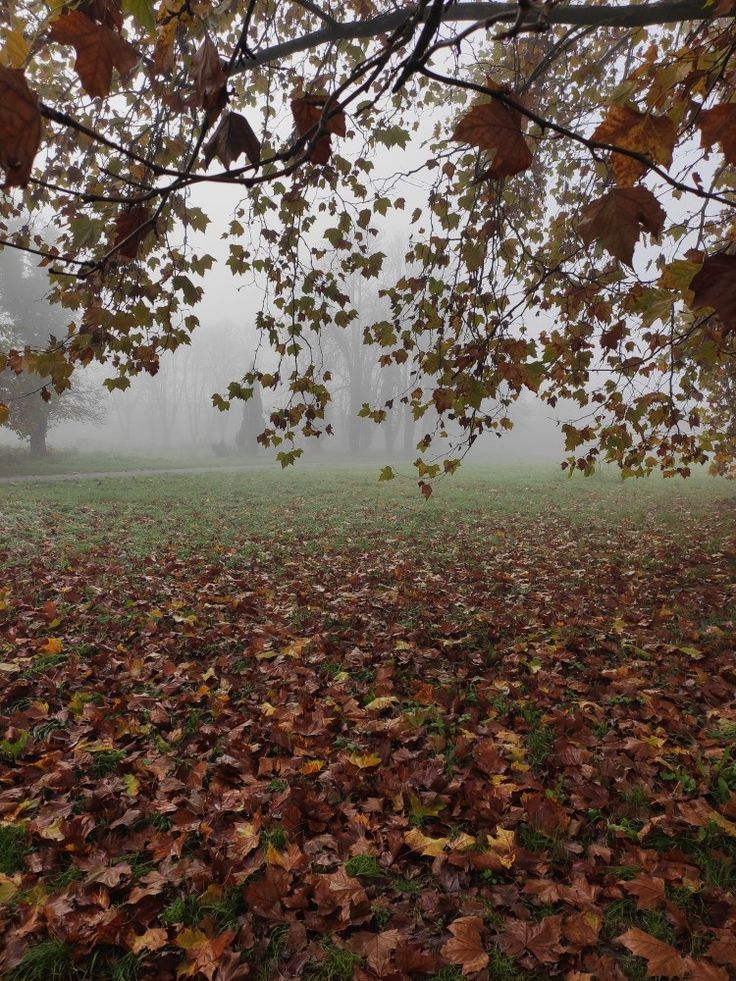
(14, 847)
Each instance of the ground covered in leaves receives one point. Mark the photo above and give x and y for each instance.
(314, 727)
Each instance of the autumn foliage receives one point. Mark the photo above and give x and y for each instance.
(575, 240)
(495, 741)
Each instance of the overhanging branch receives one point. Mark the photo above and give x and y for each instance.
(579, 15)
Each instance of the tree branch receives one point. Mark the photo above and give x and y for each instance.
(579, 15)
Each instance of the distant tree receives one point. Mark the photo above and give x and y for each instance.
(565, 173)
(29, 323)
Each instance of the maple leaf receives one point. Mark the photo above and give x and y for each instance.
(209, 77)
(378, 949)
(496, 127)
(715, 286)
(541, 939)
(718, 125)
(617, 219)
(429, 847)
(233, 137)
(99, 49)
(662, 959)
(307, 112)
(466, 946)
(203, 952)
(649, 891)
(131, 228)
(652, 136)
(20, 127)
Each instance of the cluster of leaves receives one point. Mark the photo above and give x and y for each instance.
(511, 756)
(593, 128)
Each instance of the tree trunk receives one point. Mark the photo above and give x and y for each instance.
(38, 439)
(252, 424)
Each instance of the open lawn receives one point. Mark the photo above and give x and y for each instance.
(306, 725)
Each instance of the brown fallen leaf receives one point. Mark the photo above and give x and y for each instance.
(466, 948)
(662, 959)
(648, 889)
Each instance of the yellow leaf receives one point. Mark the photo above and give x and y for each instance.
(15, 49)
(504, 845)
(190, 938)
(53, 646)
(382, 702)
(312, 766)
(8, 888)
(429, 847)
(267, 709)
(131, 784)
(152, 939)
(462, 842)
(364, 760)
(52, 832)
(294, 649)
(212, 894)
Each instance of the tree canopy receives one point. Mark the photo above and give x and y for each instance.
(564, 175)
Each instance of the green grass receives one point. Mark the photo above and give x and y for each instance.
(246, 512)
(14, 847)
(364, 865)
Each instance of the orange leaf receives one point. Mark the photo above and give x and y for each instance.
(20, 127)
(466, 946)
(653, 136)
(496, 127)
(662, 959)
(99, 49)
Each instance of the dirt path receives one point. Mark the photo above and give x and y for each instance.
(100, 474)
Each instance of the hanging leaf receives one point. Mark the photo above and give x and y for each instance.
(495, 127)
(99, 49)
(617, 219)
(715, 286)
(20, 127)
(131, 228)
(307, 112)
(209, 78)
(718, 125)
(232, 138)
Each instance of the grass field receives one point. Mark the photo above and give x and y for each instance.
(303, 724)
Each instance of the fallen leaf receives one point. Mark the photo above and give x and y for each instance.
(466, 947)
(662, 959)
